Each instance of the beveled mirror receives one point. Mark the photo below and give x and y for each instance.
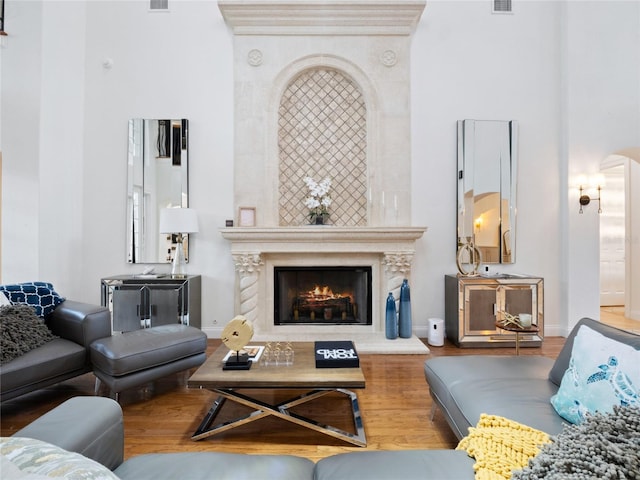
(487, 169)
(157, 178)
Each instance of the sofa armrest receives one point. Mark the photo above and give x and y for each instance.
(80, 322)
(91, 426)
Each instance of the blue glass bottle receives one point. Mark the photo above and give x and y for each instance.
(391, 321)
(404, 323)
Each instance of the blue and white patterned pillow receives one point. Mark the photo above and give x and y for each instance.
(28, 458)
(602, 373)
(40, 295)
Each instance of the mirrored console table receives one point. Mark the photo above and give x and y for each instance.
(147, 301)
(473, 305)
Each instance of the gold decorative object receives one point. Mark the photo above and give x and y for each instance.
(468, 251)
(515, 320)
(510, 319)
(236, 335)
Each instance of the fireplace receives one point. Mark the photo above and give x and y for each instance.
(350, 60)
(384, 253)
(322, 295)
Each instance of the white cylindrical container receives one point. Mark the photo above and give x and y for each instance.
(436, 332)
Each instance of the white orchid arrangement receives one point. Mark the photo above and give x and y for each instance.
(319, 199)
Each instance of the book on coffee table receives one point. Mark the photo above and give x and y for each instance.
(253, 352)
(336, 354)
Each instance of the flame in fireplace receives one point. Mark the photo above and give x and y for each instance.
(322, 292)
(321, 303)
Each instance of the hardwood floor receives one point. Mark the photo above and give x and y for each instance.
(395, 406)
(161, 417)
(615, 316)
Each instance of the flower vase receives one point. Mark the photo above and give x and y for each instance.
(319, 219)
(391, 320)
(404, 314)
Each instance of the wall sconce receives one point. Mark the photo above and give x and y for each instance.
(585, 199)
(478, 222)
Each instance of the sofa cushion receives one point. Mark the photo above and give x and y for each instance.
(394, 465)
(221, 466)
(602, 373)
(35, 457)
(523, 400)
(138, 350)
(21, 331)
(53, 359)
(476, 375)
(40, 295)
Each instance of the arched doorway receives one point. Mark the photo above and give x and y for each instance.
(620, 232)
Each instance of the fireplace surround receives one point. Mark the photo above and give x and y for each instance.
(257, 252)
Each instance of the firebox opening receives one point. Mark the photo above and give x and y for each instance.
(322, 295)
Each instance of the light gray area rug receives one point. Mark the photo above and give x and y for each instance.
(604, 446)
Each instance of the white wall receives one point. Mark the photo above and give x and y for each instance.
(61, 132)
(601, 76)
(64, 131)
(21, 78)
(173, 64)
(468, 63)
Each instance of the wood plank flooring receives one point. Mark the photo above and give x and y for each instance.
(162, 416)
(615, 316)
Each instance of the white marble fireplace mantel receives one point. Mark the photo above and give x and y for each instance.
(324, 238)
(257, 251)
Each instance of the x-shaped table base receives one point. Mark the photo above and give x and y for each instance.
(280, 410)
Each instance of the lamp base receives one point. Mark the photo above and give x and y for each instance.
(177, 268)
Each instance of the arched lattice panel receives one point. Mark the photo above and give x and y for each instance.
(322, 132)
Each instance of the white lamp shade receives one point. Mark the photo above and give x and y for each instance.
(178, 220)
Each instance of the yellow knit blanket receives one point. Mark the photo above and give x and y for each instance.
(500, 445)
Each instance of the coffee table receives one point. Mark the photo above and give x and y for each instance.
(302, 375)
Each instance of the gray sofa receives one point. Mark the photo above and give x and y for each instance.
(463, 387)
(100, 437)
(77, 324)
(516, 387)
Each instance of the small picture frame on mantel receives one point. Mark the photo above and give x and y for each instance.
(247, 217)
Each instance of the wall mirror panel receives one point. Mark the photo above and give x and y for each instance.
(487, 170)
(157, 178)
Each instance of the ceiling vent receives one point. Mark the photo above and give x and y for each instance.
(502, 6)
(158, 5)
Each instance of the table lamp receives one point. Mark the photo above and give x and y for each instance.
(178, 221)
